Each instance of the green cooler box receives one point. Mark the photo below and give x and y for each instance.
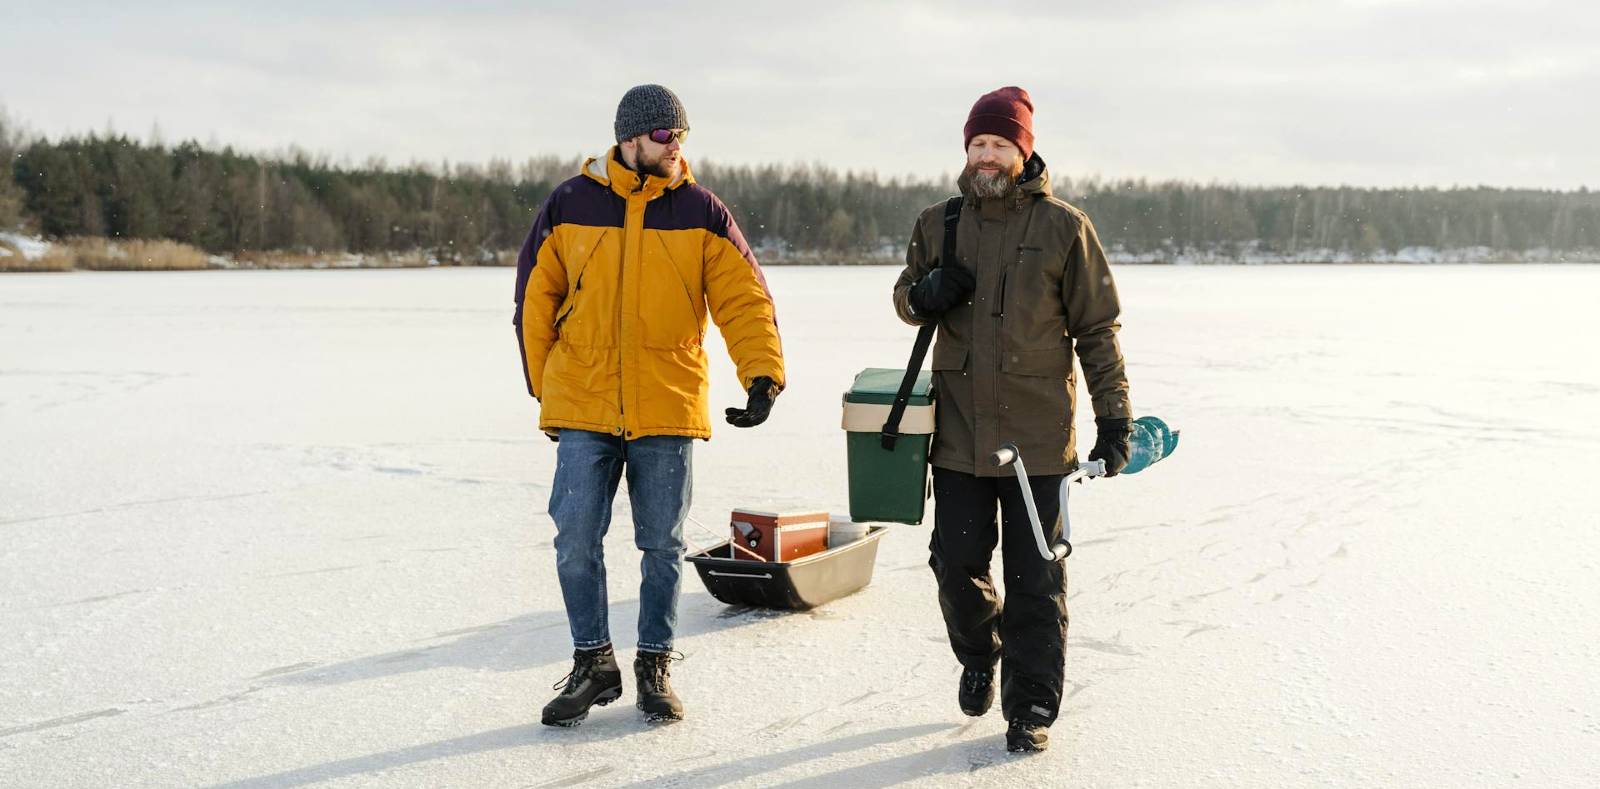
(888, 486)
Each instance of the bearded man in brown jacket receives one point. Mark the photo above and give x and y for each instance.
(1029, 286)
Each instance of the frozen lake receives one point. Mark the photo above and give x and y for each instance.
(274, 529)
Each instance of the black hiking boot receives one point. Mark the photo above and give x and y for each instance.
(594, 679)
(1026, 736)
(656, 699)
(977, 690)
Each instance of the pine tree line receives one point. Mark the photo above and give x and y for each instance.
(225, 201)
(1141, 216)
(11, 196)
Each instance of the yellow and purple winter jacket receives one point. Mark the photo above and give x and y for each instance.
(614, 285)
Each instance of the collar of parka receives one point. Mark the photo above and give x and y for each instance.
(609, 170)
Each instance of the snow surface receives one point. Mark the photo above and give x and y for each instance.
(273, 529)
(31, 247)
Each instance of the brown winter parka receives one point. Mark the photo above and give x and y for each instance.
(1002, 362)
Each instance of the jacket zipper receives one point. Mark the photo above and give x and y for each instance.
(1000, 310)
(622, 273)
(994, 372)
(622, 261)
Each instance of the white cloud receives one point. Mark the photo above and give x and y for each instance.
(1355, 92)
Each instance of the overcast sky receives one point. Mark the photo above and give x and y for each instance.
(1365, 92)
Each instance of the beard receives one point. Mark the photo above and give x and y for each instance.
(661, 166)
(993, 184)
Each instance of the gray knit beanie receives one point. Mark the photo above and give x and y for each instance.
(645, 108)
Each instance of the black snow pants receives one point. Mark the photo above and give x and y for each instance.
(1027, 634)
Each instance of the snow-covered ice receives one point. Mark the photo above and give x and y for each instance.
(272, 529)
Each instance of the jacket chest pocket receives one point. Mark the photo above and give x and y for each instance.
(570, 303)
(1029, 300)
(670, 305)
(572, 323)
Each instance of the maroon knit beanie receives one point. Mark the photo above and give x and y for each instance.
(1007, 112)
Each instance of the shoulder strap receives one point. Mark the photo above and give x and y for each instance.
(952, 217)
(919, 351)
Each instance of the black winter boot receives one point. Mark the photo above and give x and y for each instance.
(656, 699)
(977, 690)
(594, 679)
(1024, 736)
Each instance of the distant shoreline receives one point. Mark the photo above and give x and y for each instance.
(810, 264)
(19, 253)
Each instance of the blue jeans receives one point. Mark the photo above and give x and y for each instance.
(588, 469)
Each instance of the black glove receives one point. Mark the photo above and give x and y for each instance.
(942, 289)
(762, 392)
(1111, 440)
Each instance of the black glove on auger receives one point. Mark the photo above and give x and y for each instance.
(1111, 442)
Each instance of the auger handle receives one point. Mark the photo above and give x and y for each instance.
(1009, 455)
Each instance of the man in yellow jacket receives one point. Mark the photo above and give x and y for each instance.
(623, 265)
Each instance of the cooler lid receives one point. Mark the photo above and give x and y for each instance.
(879, 385)
(780, 518)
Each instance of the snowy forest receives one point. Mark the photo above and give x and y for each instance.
(228, 202)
